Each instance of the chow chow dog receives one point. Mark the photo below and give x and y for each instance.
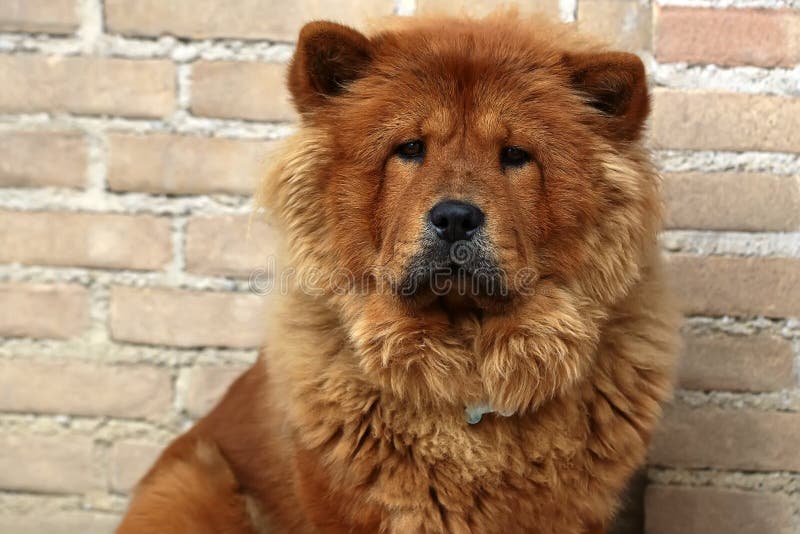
(476, 335)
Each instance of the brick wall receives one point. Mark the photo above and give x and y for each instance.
(132, 133)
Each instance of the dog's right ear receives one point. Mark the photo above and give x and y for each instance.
(329, 56)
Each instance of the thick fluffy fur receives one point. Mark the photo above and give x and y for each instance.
(353, 418)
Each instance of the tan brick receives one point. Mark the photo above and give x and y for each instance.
(67, 522)
(36, 159)
(704, 120)
(207, 385)
(56, 311)
(186, 318)
(730, 37)
(183, 164)
(87, 85)
(59, 387)
(685, 510)
(623, 23)
(480, 8)
(718, 361)
(60, 464)
(85, 239)
(260, 91)
(230, 245)
(732, 201)
(727, 439)
(130, 461)
(46, 16)
(718, 285)
(247, 19)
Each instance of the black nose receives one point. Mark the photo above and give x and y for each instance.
(454, 220)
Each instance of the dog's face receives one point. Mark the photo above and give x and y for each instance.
(472, 166)
(472, 183)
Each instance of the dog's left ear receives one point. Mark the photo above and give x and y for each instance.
(615, 84)
(329, 56)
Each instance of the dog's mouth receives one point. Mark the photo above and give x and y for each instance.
(463, 275)
(441, 280)
(455, 286)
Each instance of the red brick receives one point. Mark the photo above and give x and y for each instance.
(207, 385)
(247, 19)
(132, 391)
(55, 464)
(85, 239)
(719, 285)
(718, 361)
(727, 439)
(57, 311)
(693, 510)
(46, 16)
(730, 37)
(186, 318)
(36, 159)
(261, 92)
(230, 245)
(732, 201)
(706, 120)
(623, 23)
(87, 85)
(130, 460)
(183, 164)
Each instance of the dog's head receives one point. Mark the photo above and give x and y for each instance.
(479, 185)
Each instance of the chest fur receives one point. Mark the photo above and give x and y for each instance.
(440, 474)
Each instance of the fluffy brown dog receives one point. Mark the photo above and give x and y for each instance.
(470, 228)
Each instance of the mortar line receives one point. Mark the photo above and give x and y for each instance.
(568, 10)
(91, 28)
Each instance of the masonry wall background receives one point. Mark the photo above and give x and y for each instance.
(132, 133)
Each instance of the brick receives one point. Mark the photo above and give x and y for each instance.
(250, 19)
(706, 120)
(207, 385)
(56, 464)
(732, 201)
(44, 311)
(261, 92)
(130, 461)
(623, 23)
(87, 85)
(37, 159)
(186, 318)
(59, 387)
(718, 361)
(85, 240)
(729, 37)
(726, 438)
(183, 164)
(480, 8)
(699, 510)
(67, 522)
(41, 16)
(230, 245)
(718, 285)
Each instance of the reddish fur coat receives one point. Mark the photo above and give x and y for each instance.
(353, 419)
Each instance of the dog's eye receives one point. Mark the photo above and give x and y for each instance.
(412, 150)
(512, 156)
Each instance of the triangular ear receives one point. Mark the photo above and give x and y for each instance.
(616, 85)
(328, 57)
